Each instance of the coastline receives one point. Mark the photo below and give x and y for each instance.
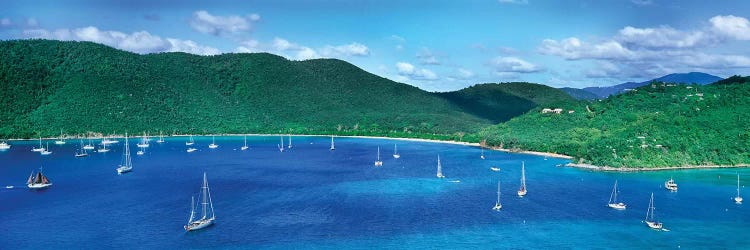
(637, 169)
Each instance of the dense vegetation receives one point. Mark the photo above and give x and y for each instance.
(498, 102)
(656, 125)
(580, 94)
(81, 87)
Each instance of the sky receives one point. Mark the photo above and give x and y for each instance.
(435, 45)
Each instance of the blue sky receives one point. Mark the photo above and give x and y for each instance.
(435, 45)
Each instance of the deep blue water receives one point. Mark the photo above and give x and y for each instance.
(310, 197)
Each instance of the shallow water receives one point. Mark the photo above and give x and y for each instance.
(310, 197)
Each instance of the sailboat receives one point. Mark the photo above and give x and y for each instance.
(46, 151)
(395, 152)
(281, 146)
(498, 206)
(213, 143)
(60, 140)
(738, 199)
(104, 148)
(439, 169)
(89, 146)
(144, 141)
(245, 147)
(190, 141)
(207, 215)
(522, 191)
(127, 164)
(142, 151)
(650, 217)
(191, 149)
(161, 138)
(82, 151)
(290, 142)
(40, 148)
(670, 185)
(332, 147)
(613, 199)
(482, 156)
(39, 181)
(108, 141)
(378, 163)
(4, 146)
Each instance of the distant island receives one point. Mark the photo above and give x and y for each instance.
(82, 88)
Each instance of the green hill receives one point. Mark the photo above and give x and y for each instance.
(657, 125)
(78, 87)
(499, 102)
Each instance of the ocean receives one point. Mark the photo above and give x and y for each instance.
(310, 197)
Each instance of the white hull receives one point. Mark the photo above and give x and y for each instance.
(39, 186)
(59, 142)
(654, 225)
(396, 156)
(122, 170)
(738, 200)
(378, 163)
(189, 143)
(440, 176)
(497, 207)
(88, 147)
(618, 206)
(142, 145)
(37, 149)
(82, 155)
(140, 152)
(244, 148)
(46, 152)
(4, 146)
(213, 146)
(521, 193)
(199, 224)
(190, 150)
(102, 150)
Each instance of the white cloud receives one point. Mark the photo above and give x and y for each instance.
(465, 73)
(662, 37)
(514, 1)
(513, 65)
(426, 56)
(139, 42)
(248, 46)
(731, 26)
(301, 52)
(414, 73)
(352, 49)
(204, 22)
(604, 69)
(574, 49)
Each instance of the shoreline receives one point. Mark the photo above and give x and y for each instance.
(641, 169)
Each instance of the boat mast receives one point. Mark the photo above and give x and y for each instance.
(738, 185)
(523, 175)
(378, 153)
(192, 209)
(613, 196)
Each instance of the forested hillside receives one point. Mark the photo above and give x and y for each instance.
(655, 125)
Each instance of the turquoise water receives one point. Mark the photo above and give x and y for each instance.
(310, 197)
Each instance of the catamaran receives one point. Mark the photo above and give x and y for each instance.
(46, 151)
(395, 152)
(290, 142)
(127, 164)
(207, 212)
(332, 147)
(378, 162)
(650, 217)
(213, 143)
(281, 146)
(4, 146)
(190, 141)
(738, 199)
(245, 147)
(40, 148)
(39, 181)
(60, 140)
(670, 185)
(439, 169)
(161, 138)
(613, 199)
(144, 141)
(104, 148)
(522, 190)
(82, 151)
(89, 146)
(498, 206)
